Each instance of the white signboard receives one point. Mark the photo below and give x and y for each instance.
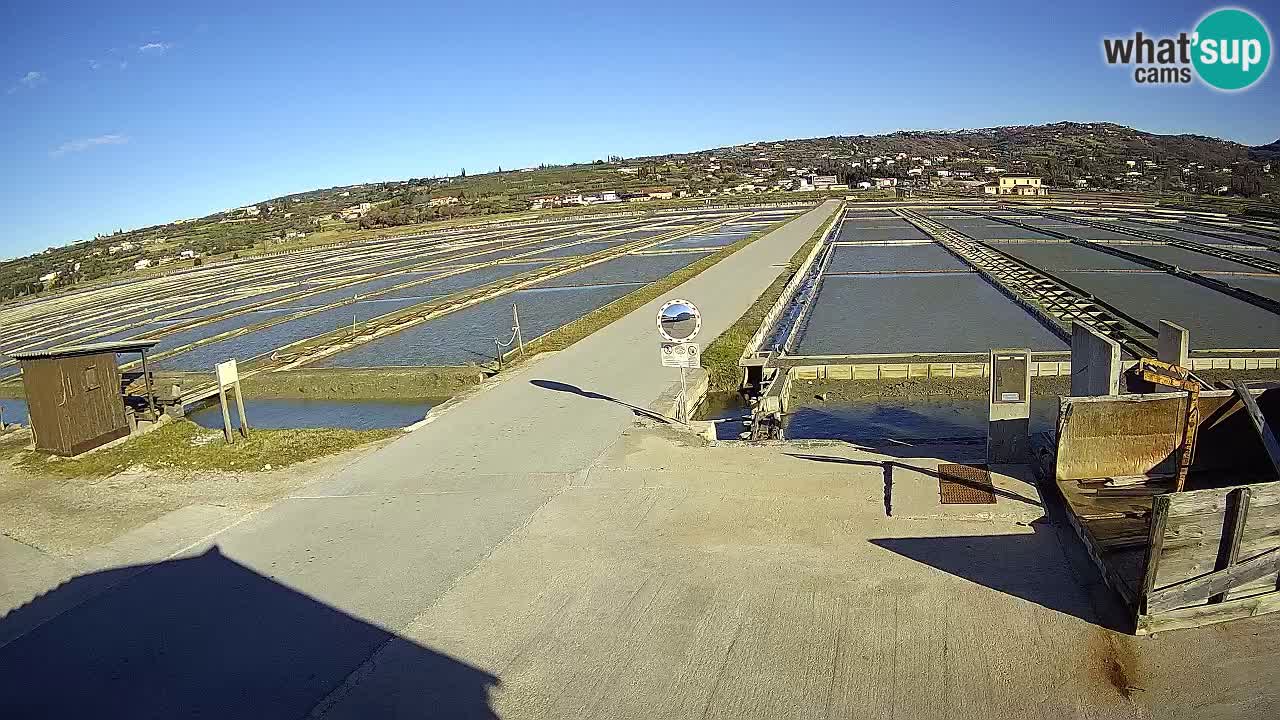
(227, 372)
(680, 355)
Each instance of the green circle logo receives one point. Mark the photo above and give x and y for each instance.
(1232, 49)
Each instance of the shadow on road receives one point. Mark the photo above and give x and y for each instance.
(888, 467)
(206, 636)
(1046, 567)
(575, 390)
(1031, 567)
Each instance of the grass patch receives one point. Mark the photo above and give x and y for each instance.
(390, 383)
(720, 359)
(183, 445)
(12, 444)
(568, 334)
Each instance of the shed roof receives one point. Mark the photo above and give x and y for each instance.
(90, 349)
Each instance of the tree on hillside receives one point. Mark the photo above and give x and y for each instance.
(1246, 179)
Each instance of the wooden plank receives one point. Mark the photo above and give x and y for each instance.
(1259, 423)
(226, 416)
(1159, 373)
(1200, 615)
(1194, 532)
(1232, 531)
(1125, 435)
(1109, 575)
(244, 422)
(1198, 589)
(1120, 534)
(1088, 506)
(1137, 480)
(151, 396)
(1155, 545)
(1213, 501)
(1106, 492)
(1191, 547)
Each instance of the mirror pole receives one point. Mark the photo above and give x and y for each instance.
(682, 410)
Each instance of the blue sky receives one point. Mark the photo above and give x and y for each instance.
(118, 115)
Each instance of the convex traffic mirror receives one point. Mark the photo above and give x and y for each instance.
(679, 321)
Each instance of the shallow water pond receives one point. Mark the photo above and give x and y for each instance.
(303, 414)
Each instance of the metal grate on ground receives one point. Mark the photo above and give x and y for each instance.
(965, 485)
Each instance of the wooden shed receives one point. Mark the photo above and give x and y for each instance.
(74, 395)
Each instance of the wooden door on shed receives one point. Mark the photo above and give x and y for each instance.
(94, 406)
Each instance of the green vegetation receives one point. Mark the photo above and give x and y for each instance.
(720, 359)
(407, 383)
(185, 446)
(571, 333)
(12, 444)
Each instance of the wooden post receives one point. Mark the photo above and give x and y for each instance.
(228, 376)
(226, 416)
(1232, 530)
(151, 396)
(1190, 430)
(1260, 425)
(244, 422)
(1155, 545)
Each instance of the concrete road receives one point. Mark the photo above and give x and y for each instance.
(275, 613)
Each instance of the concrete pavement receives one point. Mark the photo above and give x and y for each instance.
(679, 581)
(385, 539)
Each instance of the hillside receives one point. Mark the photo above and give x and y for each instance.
(1067, 155)
(1062, 152)
(1266, 153)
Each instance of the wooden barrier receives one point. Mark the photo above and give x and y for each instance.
(1177, 559)
(1122, 435)
(1213, 555)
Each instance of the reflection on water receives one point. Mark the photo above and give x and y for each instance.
(731, 408)
(15, 411)
(875, 420)
(915, 420)
(301, 414)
